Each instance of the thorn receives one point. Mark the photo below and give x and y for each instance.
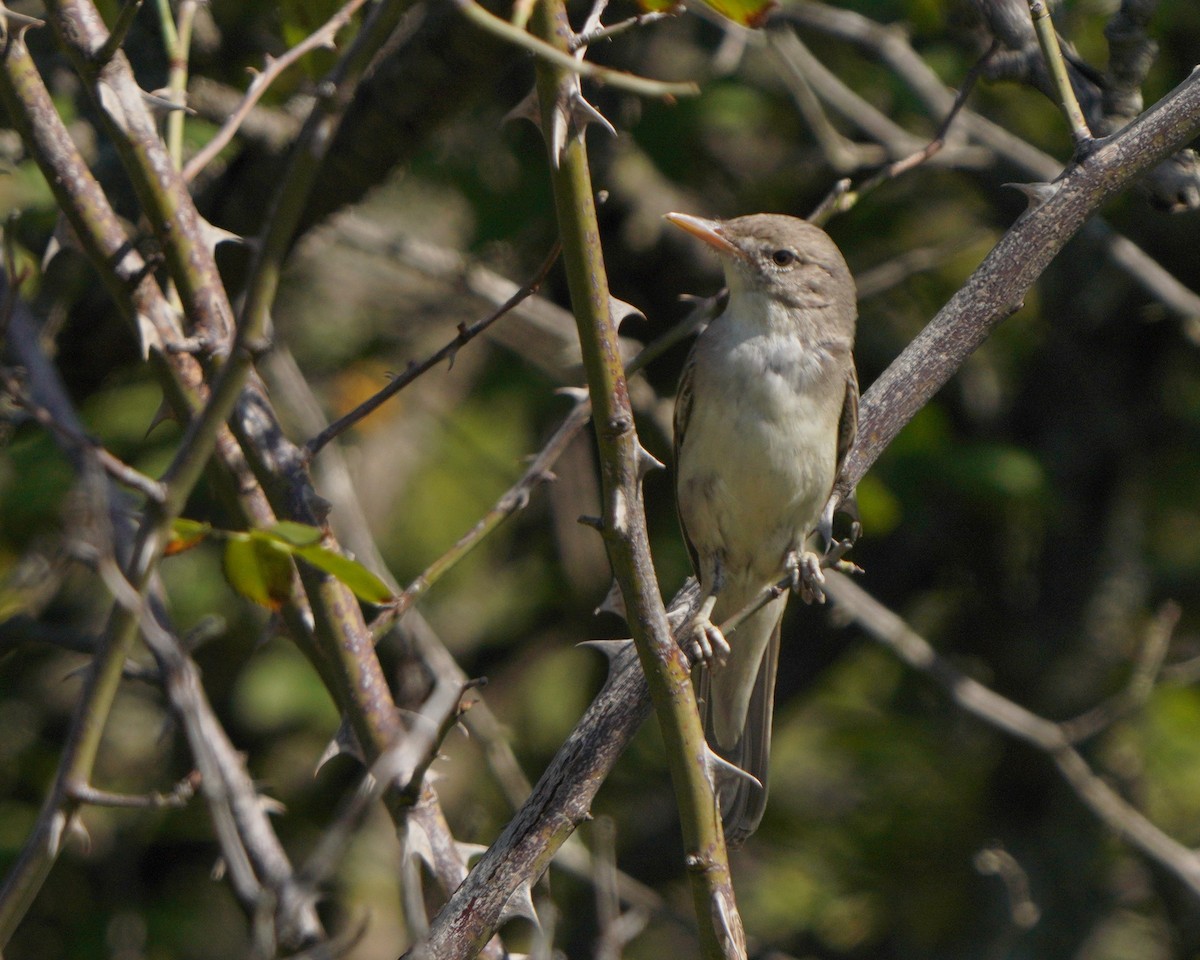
(162, 414)
(646, 461)
(1035, 193)
(613, 602)
(79, 832)
(520, 904)
(620, 311)
(594, 522)
(469, 851)
(160, 103)
(53, 248)
(58, 824)
(583, 113)
(270, 805)
(721, 771)
(214, 236)
(527, 109)
(343, 742)
(610, 648)
(148, 337)
(558, 131)
(10, 19)
(416, 842)
(578, 394)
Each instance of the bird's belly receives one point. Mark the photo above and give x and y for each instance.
(754, 475)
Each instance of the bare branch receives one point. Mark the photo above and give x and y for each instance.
(273, 67)
(1011, 718)
(566, 61)
(465, 335)
(994, 290)
(183, 791)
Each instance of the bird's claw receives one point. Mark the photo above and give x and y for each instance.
(834, 547)
(804, 568)
(706, 643)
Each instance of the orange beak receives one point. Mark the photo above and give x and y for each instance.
(707, 230)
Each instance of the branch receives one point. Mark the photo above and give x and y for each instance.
(465, 335)
(891, 46)
(1014, 720)
(249, 844)
(565, 60)
(1057, 67)
(518, 856)
(323, 36)
(623, 462)
(996, 288)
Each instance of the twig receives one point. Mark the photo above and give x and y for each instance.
(842, 154)
(516, 498)
(512, 501)
(1146, 669)
(112, 465)
(994, 291)
(323, 36)
(1048, 39)
(183, 791)
(890, 45)
(1011, 718)
(1023, 913)
(587, 38)
(883, 277)
(465, 335)
(891, 171)
(564, 60)
(120, 29)
(1131, 53)
(177, 35)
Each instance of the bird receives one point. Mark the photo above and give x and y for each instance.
(766, 411)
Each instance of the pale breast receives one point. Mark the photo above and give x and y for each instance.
(758, 456)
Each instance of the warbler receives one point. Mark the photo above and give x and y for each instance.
(766, 411)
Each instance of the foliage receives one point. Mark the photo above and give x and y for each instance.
(1031, 521)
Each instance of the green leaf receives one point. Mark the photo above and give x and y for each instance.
(749, 13)
(295, 534)
(258, 568)
(363, 582)
(185, 534)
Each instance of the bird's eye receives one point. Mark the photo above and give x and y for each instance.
(783, 258)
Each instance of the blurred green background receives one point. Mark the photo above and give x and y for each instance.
(1030, 522)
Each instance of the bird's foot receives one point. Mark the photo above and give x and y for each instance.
(704, 642)
(836, 548)
(804, 568)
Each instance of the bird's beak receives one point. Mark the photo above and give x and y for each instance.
(710, 231)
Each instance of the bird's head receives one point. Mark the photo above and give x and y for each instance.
(781, 257)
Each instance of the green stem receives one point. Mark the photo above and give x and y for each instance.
(179, 50)
(1048, 40)
(666, 669)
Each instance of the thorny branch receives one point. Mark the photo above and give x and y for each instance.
(323, 36)
(466, 333)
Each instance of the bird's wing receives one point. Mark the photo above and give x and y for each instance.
(848, 424)
(683, 411)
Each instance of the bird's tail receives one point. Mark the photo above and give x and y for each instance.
(742, 793)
